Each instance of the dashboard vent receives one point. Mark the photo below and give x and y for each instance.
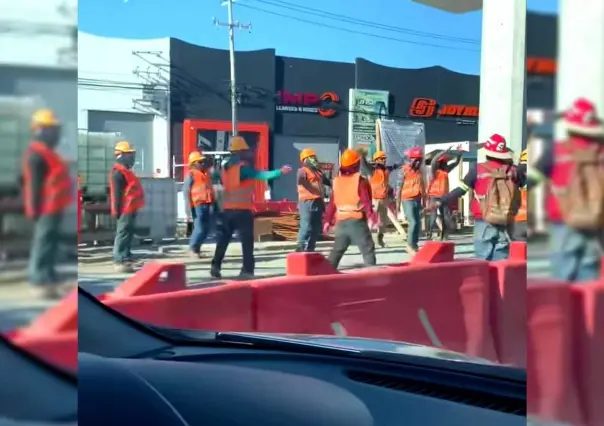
(515, 406)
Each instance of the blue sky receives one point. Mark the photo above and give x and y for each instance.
(398, 33)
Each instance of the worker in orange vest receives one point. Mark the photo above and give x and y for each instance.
(350, 208)
(411, 194)
(311, 204)
(521, 219)
(496, 183)
(199, 200)
(48, 190)
(442, 164)
(574, 167)
(127, 198)
(238, 178)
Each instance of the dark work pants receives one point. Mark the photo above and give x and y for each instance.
(44, 250)
(445, 214)
(311, 223)
(352, 231)
(201, 226)
(227, 222)
(124, 234)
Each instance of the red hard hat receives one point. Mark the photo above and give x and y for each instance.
(415, 153)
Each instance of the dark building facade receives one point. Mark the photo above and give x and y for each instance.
(200, 90)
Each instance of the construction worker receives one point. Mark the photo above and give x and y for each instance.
(381, 192)
(127, 198)
(311, 205)
(350, 209)
(440, 167)
(199, 200)
(412, 194)
(238, 178)
(48, 192)
(574, 207)
(496, 184)
(521, 219)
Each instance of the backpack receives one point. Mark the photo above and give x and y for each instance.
(582, 200)
(499, 204)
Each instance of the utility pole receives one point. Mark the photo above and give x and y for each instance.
(232, 26)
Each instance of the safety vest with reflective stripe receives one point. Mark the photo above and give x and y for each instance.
(57, 189)
(201, 191)
(379, 184)
(413, 184)
(439, 186)
(346, 197)
(522, 214)
(133, 198)
(316, 182)
(238, 194)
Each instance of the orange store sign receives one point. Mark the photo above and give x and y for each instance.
(428, 108)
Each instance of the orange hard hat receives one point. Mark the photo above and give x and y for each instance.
(349, 158)
(123, 147)
(238, 144)
(379, 155)
(195, 156)
(44, 118)
(415, 153)
(306, 153)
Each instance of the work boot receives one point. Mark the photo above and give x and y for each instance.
(246, 275)
(215, 273)
(194, 254)
(380, 240)
(124, 268)
(45, 292)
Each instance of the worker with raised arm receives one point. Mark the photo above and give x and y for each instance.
(350, 209)
(126, 198)
(521, 218)
(575, 205)
(412, 194)
(311, 204)
(48, 190)
(238, 179)
(496, 184)
(440, 167)
(199, 200)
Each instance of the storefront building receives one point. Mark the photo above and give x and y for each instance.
(307, 103)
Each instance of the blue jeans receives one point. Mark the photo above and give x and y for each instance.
(491, 242)
(201, 226)
(44, 249)
(124, 234)
(413, 211)
(574, 256)
(311, 223)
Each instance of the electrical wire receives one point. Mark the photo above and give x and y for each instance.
(363, 22)
(350, 31)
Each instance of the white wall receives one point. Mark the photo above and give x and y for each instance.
(107, 82)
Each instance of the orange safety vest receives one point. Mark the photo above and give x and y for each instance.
(238, 194)
(316, 181)
(413, 185)
(57, 188)
(133, 198)
(522, 214)
(201, 191)
(346, 197)
(439, 186)
(379, 184)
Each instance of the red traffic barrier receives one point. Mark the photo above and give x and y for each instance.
(61, 318)
(59, 349)
(153, 278)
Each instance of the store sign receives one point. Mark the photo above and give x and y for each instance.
(429, 108)
(541, 66)
(310, 103)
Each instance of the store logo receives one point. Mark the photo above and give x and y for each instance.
(325, 105)
(428, 108)
(541, 66)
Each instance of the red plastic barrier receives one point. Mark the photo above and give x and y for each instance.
(61, 318)
(552, 388)
(518, 251)
(59, 349)
(588, 345)
(508, 315)
(226, 308)
(153, 278)
(395, 303)
(434, 252)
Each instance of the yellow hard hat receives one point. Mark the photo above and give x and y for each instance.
(195, 156)
(379, 155)
(238, 144)
(306, 153)
(524, 156)
(350, 158)
(124, 146)
(44, 118)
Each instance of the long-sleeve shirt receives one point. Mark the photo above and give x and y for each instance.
(119, 186)
(302, 179)
(38, 170)
(448, 167)
(366, 203)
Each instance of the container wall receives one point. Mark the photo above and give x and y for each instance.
(160, 211)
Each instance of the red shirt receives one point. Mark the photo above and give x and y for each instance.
(364, 195)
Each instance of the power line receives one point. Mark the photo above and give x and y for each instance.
(350, 31)
(363, 22)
